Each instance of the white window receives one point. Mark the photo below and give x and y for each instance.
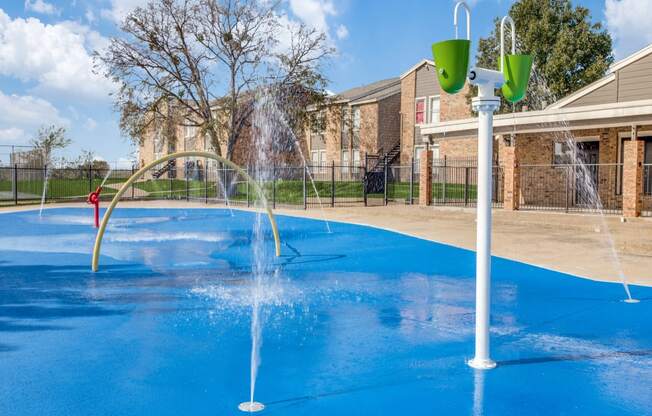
(159, 142)
(356, 118)
(356, 158)
(318, 160)
(562, 154)
(434, 110)
(345, 161)
(435, 151)
(189, 133)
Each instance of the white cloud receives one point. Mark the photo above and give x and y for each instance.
(90, 124)
(90, 16)
(313, 12)
(342, 32)
(40, 6)
(56, 56)
(120, 9)
(629, 24)
(20, 114)
(27, 111)
(12, 135)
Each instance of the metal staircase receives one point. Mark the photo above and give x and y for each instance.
(374, 179)
(166, 168)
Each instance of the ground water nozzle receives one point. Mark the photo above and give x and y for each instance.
(515, 68)
(452, 56)
(94, 199)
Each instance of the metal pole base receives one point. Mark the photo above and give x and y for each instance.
(251, 407)
(481, 364)
(631, 300)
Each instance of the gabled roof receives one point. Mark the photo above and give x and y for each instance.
(417, 66)
(374, 91)
(609, 77)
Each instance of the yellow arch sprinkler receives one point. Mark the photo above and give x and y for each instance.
(143, 170)
(452, 60)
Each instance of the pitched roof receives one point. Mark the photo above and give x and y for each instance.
(417, 66)
(609, 77)
(370, 92)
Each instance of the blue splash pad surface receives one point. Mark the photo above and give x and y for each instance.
(360, 321)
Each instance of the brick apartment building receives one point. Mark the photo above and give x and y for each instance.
(352, 124)
(382, 118)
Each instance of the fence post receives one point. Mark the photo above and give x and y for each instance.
(411, 193)
(16, 184)
(443, 185)
(90, 178)
(365, 178)
(187, 188)
(567, 185)
(385, 182)
(132, 185)
(170, 184)
(466, 186)
(226, 197)
(45, 183)
(333, 183)
(247, 187)
(274, 186)
(205, 181)
(305, 196)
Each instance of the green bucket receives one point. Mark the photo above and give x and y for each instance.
(452, 62)
(516, 70)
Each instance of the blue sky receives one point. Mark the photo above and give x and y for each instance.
(46, 71)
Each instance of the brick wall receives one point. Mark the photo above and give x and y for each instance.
(551, 186)
(333, 134)
(389, 122)
(407, 116)
(454, 106)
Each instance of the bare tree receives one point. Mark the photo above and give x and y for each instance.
(48, 139)
(172, 54)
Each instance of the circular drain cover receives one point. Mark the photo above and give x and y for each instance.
(251, 407)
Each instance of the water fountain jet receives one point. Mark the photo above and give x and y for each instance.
(251, 407)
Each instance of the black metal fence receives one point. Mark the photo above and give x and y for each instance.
(29, 185)
(458, 186)
(542, 187)
(572, 188)
(647, 190)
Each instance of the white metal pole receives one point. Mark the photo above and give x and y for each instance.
(485, 104)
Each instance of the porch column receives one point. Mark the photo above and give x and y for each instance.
(512, 183)
(425, 177)
(633, 177)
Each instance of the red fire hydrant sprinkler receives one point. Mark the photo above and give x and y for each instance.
(94, 198)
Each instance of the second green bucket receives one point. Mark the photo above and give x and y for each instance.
(452, 62)
(516, 70)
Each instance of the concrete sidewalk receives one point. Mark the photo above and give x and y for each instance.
(571, 243)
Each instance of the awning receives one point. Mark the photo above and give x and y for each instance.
(569, 118)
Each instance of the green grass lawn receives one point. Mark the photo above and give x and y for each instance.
(59, 188)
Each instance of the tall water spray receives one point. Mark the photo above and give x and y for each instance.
(46, 176)
(274, 111)
(265, 131)
(579, 171)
